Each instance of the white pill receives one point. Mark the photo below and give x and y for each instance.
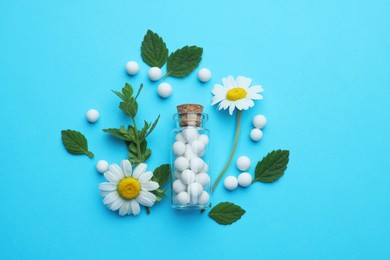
(181, 163)
(189, 154)
(197, 165)
(188, 176)
(132, 67)
(164, 90)
(244, 179)
(204, 75)
(197, 147)
(204, 139)
(183, 198)
(102, 166)
(195, 189)
(180, 137)
(154, 73)
(259, 121)
(178, 174)
(230, 183)
(178, 148)
(204, 198)
(206, 167)
(202, 178)
(243, 163)
(190, 134)
(178, 186)
(256, 134)
(92, 115)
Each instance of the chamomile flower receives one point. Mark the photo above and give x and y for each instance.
(127, 189)
(236, 94)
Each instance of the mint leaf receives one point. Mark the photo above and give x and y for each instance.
(183, 61)
(272, 167)
(154, 51)
(226, 213)
(127, 92)
(75, 142)
(161, 174)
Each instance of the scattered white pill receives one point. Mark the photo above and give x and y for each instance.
(180, 137)
(256, 134)
(244, 179)
(206, 167)
(202, 178)
(197, 147)
(102, 166)
(178, 148)
(259, 121)
(164, 90)
(197, 165)
(178, 186)
(154, 73)
(230, 183)
(204, 75)
(243, 163)
(181, 163)
(132, 68)
(190, 134)
(204, 198)
(195, 189)
(183, 198)
(188, 177)
(92, 115)
(204, 139)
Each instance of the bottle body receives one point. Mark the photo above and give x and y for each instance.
(190, 161)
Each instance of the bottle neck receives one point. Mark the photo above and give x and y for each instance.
(190, 119)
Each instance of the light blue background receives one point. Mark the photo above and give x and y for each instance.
(325, 69)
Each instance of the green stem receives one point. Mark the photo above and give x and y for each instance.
(136, 136)
(166, 75)
(238, 127)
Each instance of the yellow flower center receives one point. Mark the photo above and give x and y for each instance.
(129, 188)
(235, 94)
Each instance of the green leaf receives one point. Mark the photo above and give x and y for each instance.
(272, 167)
(117, 133)
(161, 174)
(226, 213)
(127, 92)
(75, 142)
(154, 51)
(153, 126)
(129, 109)
(183, 61)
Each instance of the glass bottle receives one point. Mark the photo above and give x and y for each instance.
(191, 181)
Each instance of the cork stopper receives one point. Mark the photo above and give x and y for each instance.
(190, 114)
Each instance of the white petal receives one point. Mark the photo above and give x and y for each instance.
(231, 108)
(111, 177)
(243, 82)
(145, 177)
(224, 104)
(150, 185)
(231, 81)
(125, 208)
(254, 96)
(116, 204)
(216, 99)
(256, 89)
(146, 198)
(104, 193)
(240, 104)
(126, 167)
(111, 197)
(218, 89)
(227, 82)
(139, 170)
(135, 208)
(250, 102)
(115, 169)
(107, 186)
